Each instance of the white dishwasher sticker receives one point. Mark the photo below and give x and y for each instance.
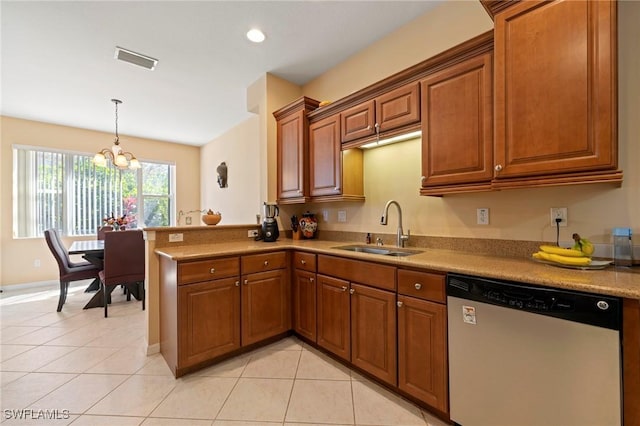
(469, 314)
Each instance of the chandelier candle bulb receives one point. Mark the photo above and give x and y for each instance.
(121, 159)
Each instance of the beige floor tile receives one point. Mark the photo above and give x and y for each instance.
(196, 398)
(88, 420)
(374, 405)
(7, 334)
(7, 377)
(137, 396)
(155, 366)
(273, 364)
(313, 424)
(9, 351)
(26, 390)
(50, 319)
(155, 421)
(118, 338)
(321, 401)
(243, 423)
(287, 344)
(124, 361)
(315, 365)
(79, 394)
(35, 358)
(39, 337)
(258, 400)
(433, 420)
(230, 368)
(49, 418)
(78, 361)
(77, 337)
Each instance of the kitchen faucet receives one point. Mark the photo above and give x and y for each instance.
(400, 237)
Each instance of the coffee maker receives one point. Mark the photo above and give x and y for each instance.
(270, 231)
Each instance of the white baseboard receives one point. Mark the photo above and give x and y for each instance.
(153, 349)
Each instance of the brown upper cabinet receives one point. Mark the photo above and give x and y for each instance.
(556, 94)
(392, 110)
(457, 127)
(334, 175)
(293, 151)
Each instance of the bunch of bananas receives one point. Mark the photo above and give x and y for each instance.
(579, 255)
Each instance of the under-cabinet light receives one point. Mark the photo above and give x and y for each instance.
(394, 139)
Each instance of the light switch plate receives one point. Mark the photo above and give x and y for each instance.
(342, 215)
(482, 216)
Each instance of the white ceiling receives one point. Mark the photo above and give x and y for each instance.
(58, 61)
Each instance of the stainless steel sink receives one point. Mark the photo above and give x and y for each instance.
(395, 251)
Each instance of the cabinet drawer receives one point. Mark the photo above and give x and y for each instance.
(207, 270)
(304, 261)
(425, 285)
(373, 274)
(263, 262)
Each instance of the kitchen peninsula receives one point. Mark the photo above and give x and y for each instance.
(226, 250)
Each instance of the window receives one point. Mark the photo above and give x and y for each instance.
(64, 190)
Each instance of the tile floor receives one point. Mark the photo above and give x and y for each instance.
(95, 371)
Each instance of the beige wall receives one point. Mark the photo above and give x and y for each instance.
(18, 255)
(393, 172)
(239, 148)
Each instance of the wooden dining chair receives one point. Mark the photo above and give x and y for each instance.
(123, 265)
(69, 271)
(102, 231)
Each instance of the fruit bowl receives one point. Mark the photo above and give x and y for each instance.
(211, 219)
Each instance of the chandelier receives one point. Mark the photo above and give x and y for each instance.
(119, 158)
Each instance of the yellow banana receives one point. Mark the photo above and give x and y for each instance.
(564, 260)
(562, 251)
(583, 245)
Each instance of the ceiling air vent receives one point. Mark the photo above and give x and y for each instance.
(135, 58)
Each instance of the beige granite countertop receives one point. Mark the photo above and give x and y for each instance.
(623, 282)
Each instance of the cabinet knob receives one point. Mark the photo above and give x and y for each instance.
(311, 280)
(399, 303)
(212, 270)
(237, 283)
(498, 167)
(423, 178)
(336, 189)
(418, 286)
(351, 291)
(344, 288)
(369, 127)
(266, 263)
(304, 262)
(246, 282)
(299, 191)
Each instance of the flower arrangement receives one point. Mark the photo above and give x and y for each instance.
(118, 222)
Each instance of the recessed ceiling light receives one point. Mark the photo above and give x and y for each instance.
(255, 35)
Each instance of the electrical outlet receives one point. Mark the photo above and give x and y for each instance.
(252, 233)
(187, 220)
(342, 215)
(482, 215)
(559, 213)
(325, 215)
(175, 238)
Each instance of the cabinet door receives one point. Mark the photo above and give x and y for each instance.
(292, 156)
(358, 121)
(398, 108)
(373, 331)
(265, 305)
(325, 157)
(209, 320)
(422, 351)
(556, 86)
(304, 304)
(457, 124)
(334, 316)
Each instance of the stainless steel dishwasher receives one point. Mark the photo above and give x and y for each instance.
(523, 355)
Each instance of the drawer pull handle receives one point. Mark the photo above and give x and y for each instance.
(266, 263)
(237, 283)
(212, 270)
(246, 282)
(351, 291)
(418, 286)
(344, 288)
(399, 303)
(304, 262)
(311, 280)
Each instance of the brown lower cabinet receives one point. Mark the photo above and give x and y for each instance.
(304, 304)
(334, 316)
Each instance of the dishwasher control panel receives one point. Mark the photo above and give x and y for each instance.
(594, 309)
